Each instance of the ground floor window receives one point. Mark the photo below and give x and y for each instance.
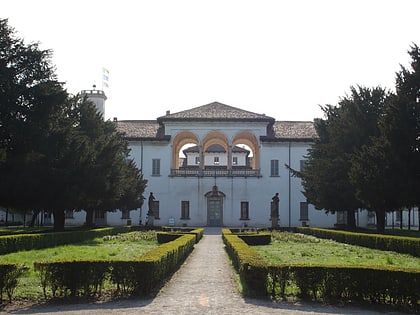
(156, 209)
(244, 210)
(304, 211)
(69, 214)
(185, 210)
(125, 214)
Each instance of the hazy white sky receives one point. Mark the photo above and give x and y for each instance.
(280, 58)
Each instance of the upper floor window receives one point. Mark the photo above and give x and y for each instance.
(235, 160)
(156, 167)
(197, 160)
(274, 168)
(216, 160)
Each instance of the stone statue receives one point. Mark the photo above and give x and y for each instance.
(150, 214)
(275, 210)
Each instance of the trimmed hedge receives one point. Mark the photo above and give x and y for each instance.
(375, 285)
(139, 276)
(400, 244)
(170, 233)
(249, 264)
(9, 278)
(15, 243)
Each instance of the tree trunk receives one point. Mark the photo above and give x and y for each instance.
(89, 217)
(380, 221)
(34, 215)
(409, 218)
(401, 219)
(59, 220)
(351, 220)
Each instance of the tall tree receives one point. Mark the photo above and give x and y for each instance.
(31, 102)
(108, 180)
(56, 152)
(386, 173)
(345, 129)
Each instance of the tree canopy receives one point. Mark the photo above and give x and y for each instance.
(367, 151)
(56, 152)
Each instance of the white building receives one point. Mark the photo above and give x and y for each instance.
(245, 156)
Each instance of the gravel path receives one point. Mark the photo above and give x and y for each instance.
(203, 285)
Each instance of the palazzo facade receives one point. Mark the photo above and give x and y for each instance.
(219, 165)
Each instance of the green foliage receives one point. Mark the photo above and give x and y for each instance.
(346, 127)
(9, 279)
(14, 243)
(56, 151)
(139, 275)
(399, 244)
(170, 234)
(249, 264)
(341, 283)
(326, 282)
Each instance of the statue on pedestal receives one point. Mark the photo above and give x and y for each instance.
(275, 211)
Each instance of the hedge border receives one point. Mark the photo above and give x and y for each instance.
(400, 244)
(139, 276)
(396, 286)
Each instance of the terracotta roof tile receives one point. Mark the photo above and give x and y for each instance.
(216, 111)
(142, 129)
(294, 130)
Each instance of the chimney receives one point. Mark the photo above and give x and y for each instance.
(115, 119)
(168, 112)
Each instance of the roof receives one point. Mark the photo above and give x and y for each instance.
(291, 130)
(141, 129)
(276, 130)
(216, 111)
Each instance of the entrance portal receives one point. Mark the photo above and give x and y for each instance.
(215, 207)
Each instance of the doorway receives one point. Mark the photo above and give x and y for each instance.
(215, 207)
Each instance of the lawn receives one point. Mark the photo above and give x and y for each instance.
(122, 246)
(300, 249)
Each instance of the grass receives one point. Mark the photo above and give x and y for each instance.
(299, 249)
(122, 246)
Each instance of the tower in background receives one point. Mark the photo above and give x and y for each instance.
(98, 97)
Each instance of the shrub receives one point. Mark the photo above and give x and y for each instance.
(9, 279)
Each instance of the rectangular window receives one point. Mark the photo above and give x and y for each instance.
(156, 209)
(216, 160)
(69, 214)
(125, 214)
(304, 211)
(235, 160)
(197, 160)
(398, 216)
(156, 167)
(185, 210)
(244, 210)
(274, 170)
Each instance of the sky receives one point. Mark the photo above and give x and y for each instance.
(281, 58)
